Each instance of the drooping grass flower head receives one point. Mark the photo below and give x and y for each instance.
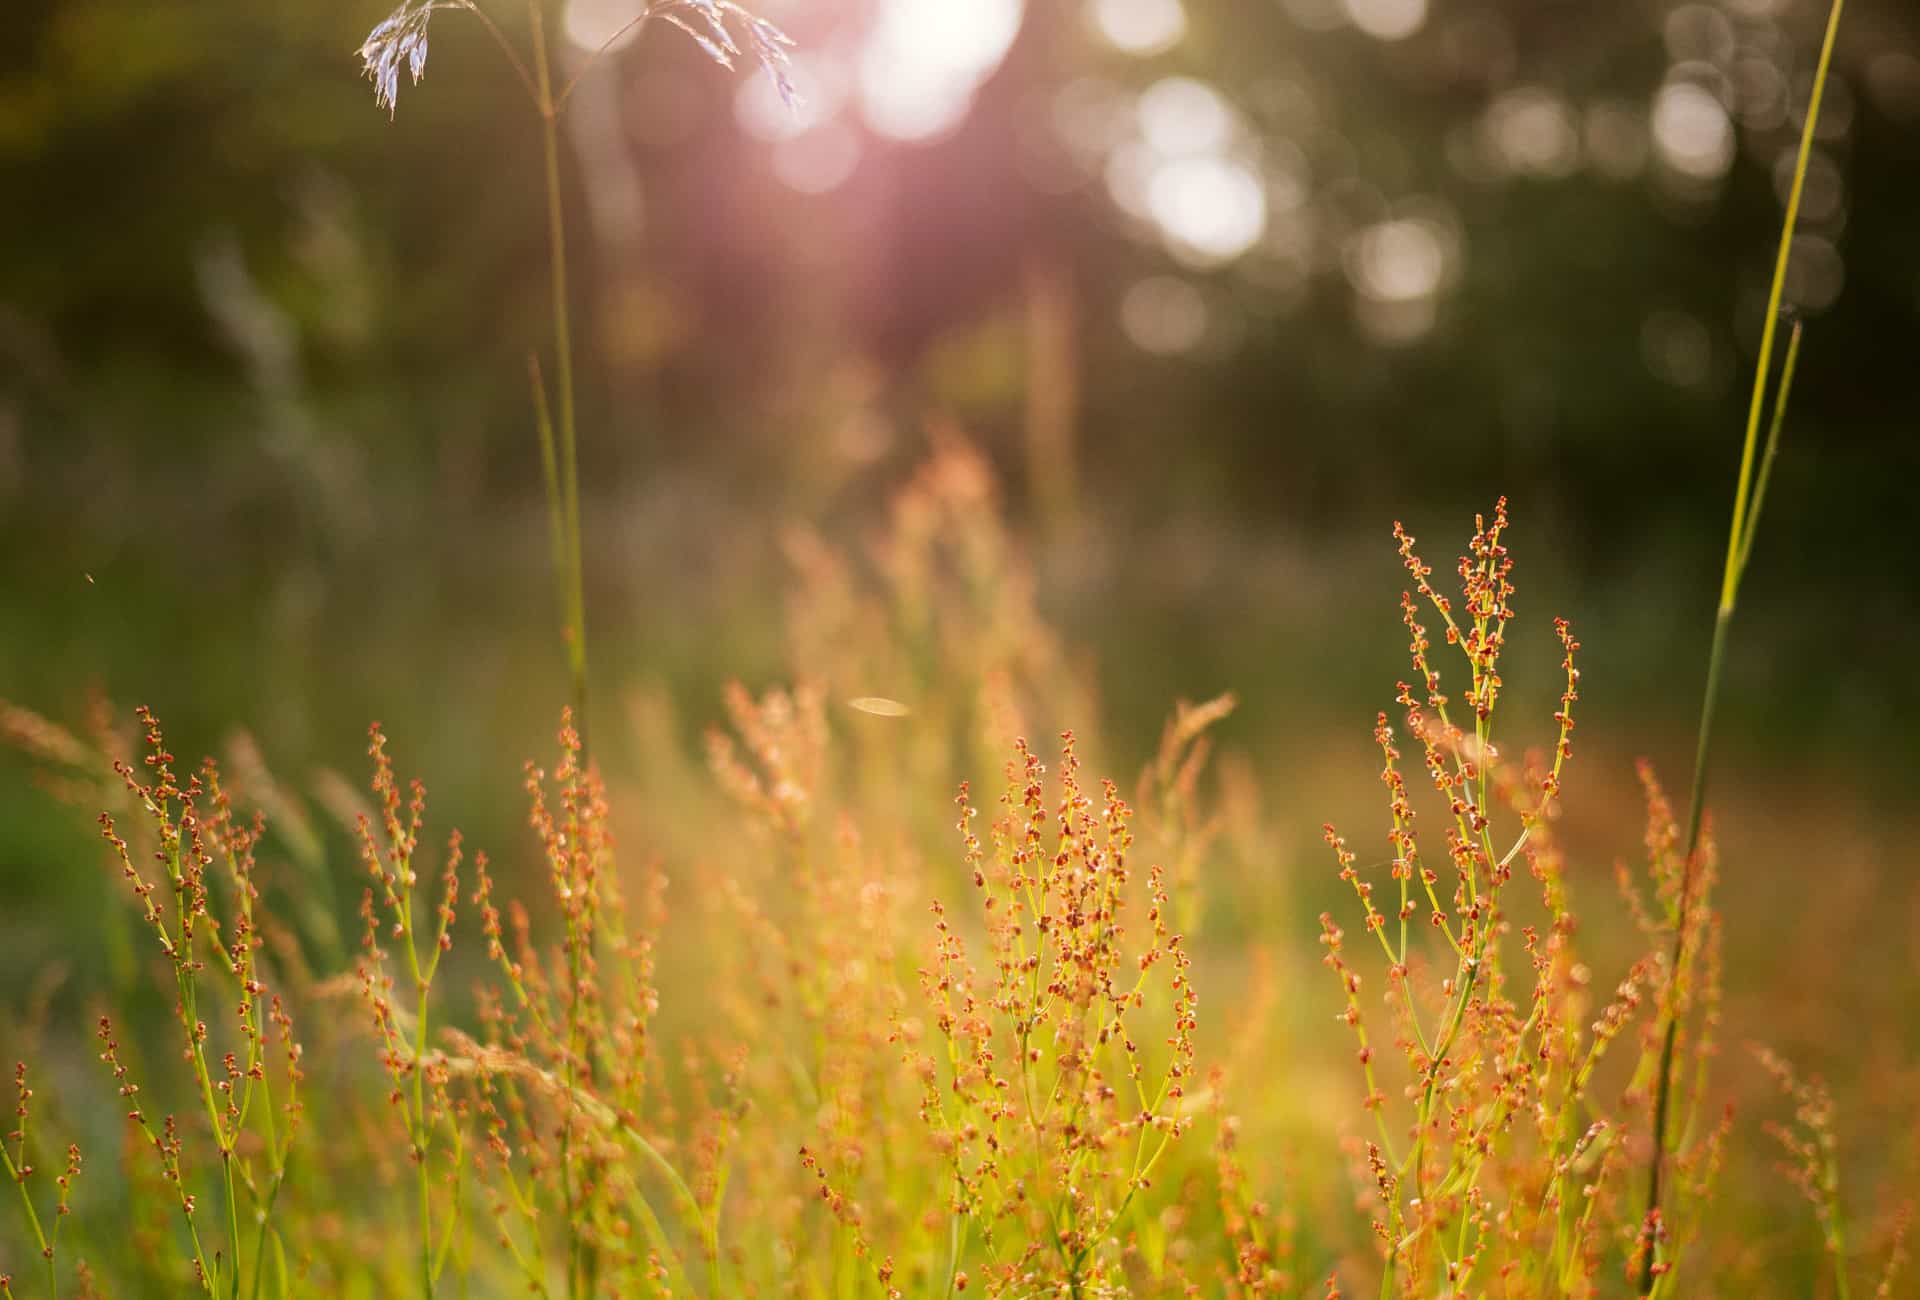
(401, 37)
(400, 40)
(706, 22)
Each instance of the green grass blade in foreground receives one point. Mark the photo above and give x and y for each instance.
(1748, 497)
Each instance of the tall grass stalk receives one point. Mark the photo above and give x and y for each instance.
(562, 471)
(1749, 496)
(19, 1179)
(563, 501)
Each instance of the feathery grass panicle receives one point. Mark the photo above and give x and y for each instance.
(706, 21)
(398, 41)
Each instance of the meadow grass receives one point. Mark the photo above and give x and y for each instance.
(891, 1034)
(874, 1041)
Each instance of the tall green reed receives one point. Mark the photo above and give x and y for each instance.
(1749, 496)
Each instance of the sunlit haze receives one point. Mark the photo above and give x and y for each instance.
(924, 59)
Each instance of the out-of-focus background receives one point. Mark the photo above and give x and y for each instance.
(1222, 288)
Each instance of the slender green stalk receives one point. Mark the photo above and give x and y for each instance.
(562, 474)
(567, 488)
(550, 475)
(189, 1016)
(1773, 440)
(956, 1248)
(1749, 495)
(1836, 1229)
(33, 1218)
(421, 1143)
(233, 1223)
(265, 1232)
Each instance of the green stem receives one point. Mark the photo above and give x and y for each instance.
(265, 1230)
(26, 1199)
(233, 1223)
(550, 475)
(563, 502)
(1836, 1230)
(569, 466)
(1739, 544)
(956, 1247)
(1773, 441)
(422, 1141)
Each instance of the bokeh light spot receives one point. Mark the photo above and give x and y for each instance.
(1211, 209)
(1815, 273)
(1180, 116)
(1616, 138)
(1676, 348)
(1531, 131)
(1139, 27)
(1387, 20)
(1398, 260)
(1164, 315)
(1823, 193)
(1893, 79)
(1691, 130)
(925, 58)
(1698, 31)
(590, 24)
